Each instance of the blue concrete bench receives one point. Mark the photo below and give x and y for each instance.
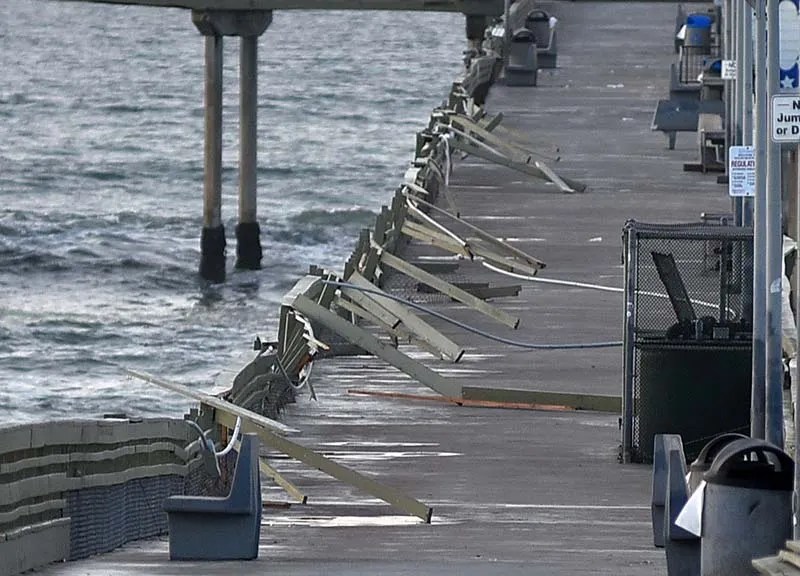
(670, 494)
(220, 528)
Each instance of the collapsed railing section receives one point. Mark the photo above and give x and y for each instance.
(328, 313)
(460, 126)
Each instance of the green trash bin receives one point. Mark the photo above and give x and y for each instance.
(697, 389)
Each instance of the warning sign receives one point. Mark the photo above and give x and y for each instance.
(741, 171)
(785, 118)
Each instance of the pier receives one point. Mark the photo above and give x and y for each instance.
(519, 482)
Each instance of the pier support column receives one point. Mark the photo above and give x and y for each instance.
(248, 233)
(475, 27)
(249, 25)
(212, 241)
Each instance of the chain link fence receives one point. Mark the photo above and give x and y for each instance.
(688, 334)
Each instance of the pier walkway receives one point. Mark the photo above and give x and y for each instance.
(513, 491)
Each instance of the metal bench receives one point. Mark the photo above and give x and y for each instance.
(673, 116)
(220, 528)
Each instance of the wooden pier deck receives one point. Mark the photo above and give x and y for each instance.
(513, 491)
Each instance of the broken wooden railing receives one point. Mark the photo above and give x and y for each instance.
(326, 310)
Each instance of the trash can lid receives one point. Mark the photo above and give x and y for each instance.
(698, 21)
(752, 463)
(537, 16)
(523, 35)
(711, 449)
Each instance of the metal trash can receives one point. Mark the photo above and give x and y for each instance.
(538, 22)
(747, 509)
(698, 33)
(705, 459)
(522, 66)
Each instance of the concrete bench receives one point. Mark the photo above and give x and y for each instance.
(220, 528)
(670, 494)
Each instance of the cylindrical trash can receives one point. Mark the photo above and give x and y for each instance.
(538, 22)
(522, 65)
(747, 508)
(703, 462)
(698, 33)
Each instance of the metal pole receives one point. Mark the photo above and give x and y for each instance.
(774, 384)
(757, 406)
(727, 54)
(738, 95)
(248, 237)
(212, 261)
(746, 52)
(796, 375)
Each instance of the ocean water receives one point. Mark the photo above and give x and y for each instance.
(101, 169)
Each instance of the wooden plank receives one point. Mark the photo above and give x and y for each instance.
(281, 481)
(423, 234)
(212, 401)
(390, 495)
(436, 267)
(366, 302)
(399, 333)
(578, 401)
(484, 235)
(790, 557)
(773, 566)
(462, 402)
(501, 261)
(454, 292)
(411, 321)
(362, 338)
(533, 169)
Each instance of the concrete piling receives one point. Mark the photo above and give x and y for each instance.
(248, 25)
(212, 242)
(248, 233)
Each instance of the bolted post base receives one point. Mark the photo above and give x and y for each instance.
(212, 254)
(248, 246)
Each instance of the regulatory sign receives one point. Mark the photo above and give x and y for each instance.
(728, 70)
(741, 171)
(785, 118)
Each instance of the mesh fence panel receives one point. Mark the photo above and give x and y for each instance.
(689, 349)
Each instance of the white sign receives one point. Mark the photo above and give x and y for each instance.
(728, 70)
(741, 171)
(785, 118)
